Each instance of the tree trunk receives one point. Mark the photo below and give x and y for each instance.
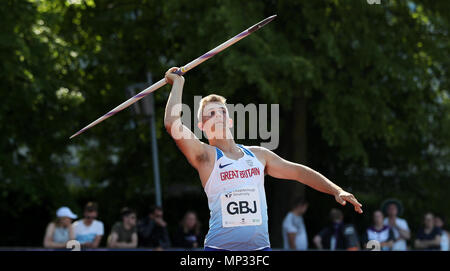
(293, 148)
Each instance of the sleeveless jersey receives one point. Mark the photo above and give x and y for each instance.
(237, 203)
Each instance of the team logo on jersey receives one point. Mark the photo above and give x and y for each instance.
(239, 174)
(249, 162)
(222, 166)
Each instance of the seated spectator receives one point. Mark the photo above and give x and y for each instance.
(337, 236)
(152, 230)
(188, 234)
(439, 222)
(428, 237)
(392, 208)
(60, 231)
(89, 231)
(379, 232)
(124, 233)
(294, 231)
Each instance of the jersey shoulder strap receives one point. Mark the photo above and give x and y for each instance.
(246, 151)
(219, 154)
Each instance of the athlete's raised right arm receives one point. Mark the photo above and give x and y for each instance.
(194, 150)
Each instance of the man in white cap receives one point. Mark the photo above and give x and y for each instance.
(60, 230)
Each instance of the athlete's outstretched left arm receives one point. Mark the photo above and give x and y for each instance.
(280, 168)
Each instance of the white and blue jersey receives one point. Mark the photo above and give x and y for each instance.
(237, 204)
(87, 233)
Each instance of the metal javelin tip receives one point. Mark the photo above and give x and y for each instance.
(262, 23)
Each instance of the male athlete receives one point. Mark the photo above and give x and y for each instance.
(233, 175)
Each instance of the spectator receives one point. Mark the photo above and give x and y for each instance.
(152, 230)
(60, 231)
(393, 208)
(337, 236)
(379, 232)
(188, 234)
(89, 231)
(439, 222)
(294, 231)
(428, 237)
(124, 233)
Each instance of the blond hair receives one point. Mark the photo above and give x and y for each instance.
(212, 98)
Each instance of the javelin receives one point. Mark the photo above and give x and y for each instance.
(180, 71)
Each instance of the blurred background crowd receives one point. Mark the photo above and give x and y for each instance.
(387, 232)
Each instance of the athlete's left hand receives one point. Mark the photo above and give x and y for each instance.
(342, 197)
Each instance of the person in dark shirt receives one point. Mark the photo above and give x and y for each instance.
(337, 236)
(188, 234)
(152, 230)
(428, 237)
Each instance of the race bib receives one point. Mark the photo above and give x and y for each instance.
(241, 207)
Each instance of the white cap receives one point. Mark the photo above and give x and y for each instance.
(65, 212)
